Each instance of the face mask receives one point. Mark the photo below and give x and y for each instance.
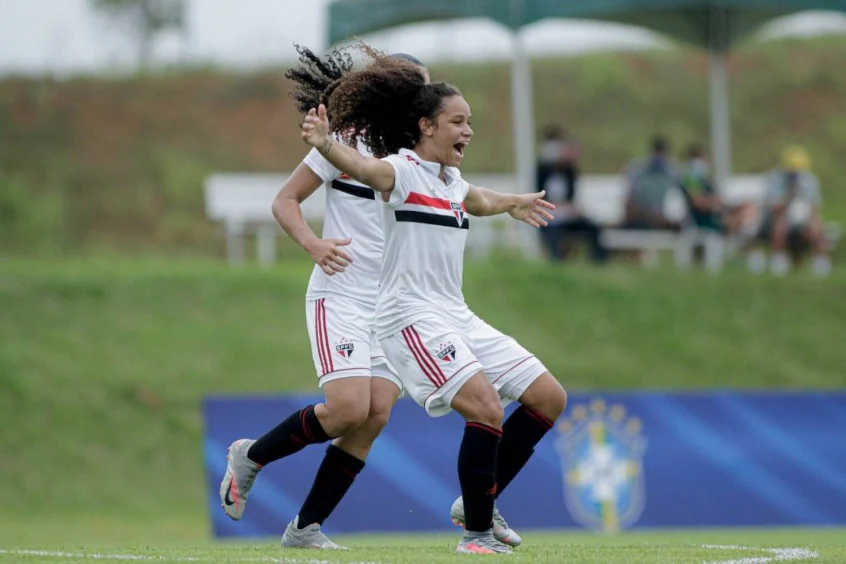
(700, 167)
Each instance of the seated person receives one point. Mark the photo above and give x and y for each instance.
(707, 210)
(654, 188)
(559, 178)
(791, 214)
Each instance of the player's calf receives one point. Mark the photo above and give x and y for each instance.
(478, 402)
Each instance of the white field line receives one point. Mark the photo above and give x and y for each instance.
(778, 554)
(148, 558)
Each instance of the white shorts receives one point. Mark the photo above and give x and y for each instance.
(342, 342)
(434, 360)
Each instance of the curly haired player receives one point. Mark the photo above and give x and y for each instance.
(447, 357)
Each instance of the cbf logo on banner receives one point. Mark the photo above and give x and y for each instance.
(602, 464)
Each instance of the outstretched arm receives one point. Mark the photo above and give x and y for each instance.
(530, 208)
(370, 171)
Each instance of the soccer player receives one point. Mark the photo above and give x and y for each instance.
(360, 385)
(446, 356)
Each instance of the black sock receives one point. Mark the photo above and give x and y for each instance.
(334, 477)
(292, 435)
(477, 474)
(520, 433)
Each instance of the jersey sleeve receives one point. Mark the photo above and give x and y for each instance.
(403, 178)
(320, 166)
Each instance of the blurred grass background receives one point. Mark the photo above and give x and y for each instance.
(115, 164)
(103, 363)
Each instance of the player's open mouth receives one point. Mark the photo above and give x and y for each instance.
(458, 148)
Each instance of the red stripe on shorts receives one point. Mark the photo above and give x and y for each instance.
(317, 337)
(432, 362)
(326, 337)
(323, 338)
(427, 370)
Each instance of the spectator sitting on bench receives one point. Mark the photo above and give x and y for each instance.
(791, 215)
(707, 210)
(558, 174)
(653, 183)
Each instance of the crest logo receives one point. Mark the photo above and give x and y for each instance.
(446, 352)
(458, 211)
(602, 462)
(345, 348)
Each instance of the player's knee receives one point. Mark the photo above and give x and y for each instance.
(557, 403)
(487, 410)
(347, 415)
(546, 396)
(375, 422)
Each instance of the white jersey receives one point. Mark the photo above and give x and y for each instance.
(352, 210)
(426, 228)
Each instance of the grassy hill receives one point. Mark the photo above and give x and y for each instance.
(103, 363)
(117, 163)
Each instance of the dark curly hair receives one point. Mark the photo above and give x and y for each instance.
(381, 104)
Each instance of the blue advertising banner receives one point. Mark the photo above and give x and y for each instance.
(614, 461)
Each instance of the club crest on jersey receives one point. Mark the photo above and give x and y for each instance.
(458, 212)
(446, 352)
(345, 348)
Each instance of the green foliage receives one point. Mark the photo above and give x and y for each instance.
(29, 221)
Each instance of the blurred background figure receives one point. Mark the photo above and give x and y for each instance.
(708, 210)
(558, 174)
(791, 221)
(654, 188)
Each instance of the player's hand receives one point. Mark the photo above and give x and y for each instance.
(533, 209)
(316, 129)
(328, 255)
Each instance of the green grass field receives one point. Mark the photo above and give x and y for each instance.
(717, 546)
(103, 364)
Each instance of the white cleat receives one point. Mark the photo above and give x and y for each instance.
(240, 476)
(501, 531)
(308, 537)
(481, 543)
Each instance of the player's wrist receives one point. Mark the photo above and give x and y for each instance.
(310, 244)
(325, 146)
(512, 203)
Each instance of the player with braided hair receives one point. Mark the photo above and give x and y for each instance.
(447, 358)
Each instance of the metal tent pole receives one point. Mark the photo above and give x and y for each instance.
(719, 96)
(524, 135)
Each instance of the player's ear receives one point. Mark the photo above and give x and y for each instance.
(427, 127)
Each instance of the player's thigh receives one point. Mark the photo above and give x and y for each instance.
(432, 361)
(339, 333)
(478, 401)
(383, 396)
(383, 373)
(509, 366)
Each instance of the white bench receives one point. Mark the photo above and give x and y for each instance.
(242, 202)
(739, 189)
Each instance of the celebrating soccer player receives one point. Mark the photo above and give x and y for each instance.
(447, 358)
